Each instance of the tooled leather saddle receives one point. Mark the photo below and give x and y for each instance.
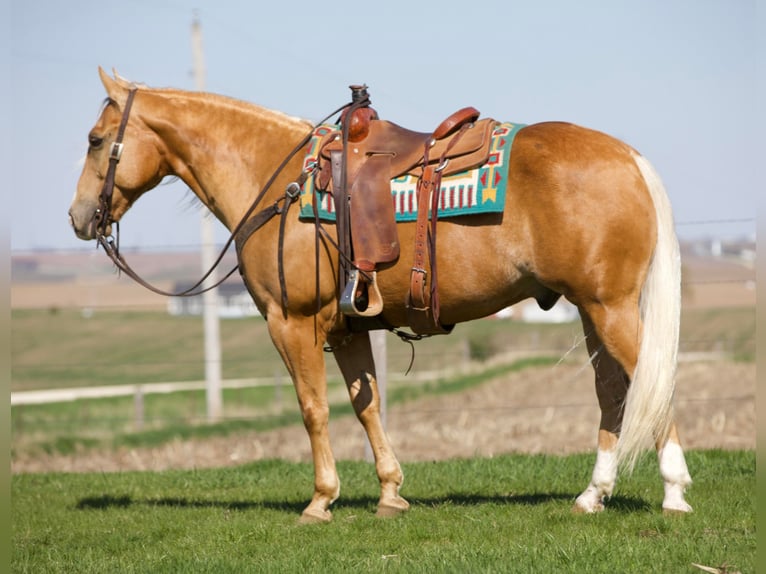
(357, 163)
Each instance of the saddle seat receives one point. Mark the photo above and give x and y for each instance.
(406, 149)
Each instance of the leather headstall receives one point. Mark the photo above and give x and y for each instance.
(102, 216)
(249, 223)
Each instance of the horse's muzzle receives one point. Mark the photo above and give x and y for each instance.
(81, 221)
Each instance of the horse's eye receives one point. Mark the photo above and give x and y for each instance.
(95, 141)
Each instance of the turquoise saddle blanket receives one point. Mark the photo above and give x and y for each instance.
(480, 190)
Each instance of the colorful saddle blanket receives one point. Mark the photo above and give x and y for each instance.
(480, 190)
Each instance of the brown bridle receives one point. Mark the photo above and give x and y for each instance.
(246, 227)
(102, 216)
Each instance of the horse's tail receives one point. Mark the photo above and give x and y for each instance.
(648, 411)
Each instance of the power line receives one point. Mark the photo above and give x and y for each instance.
(716, 221)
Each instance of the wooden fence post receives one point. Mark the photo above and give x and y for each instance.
(138, 407)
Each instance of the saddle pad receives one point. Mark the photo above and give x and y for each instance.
(480, 190)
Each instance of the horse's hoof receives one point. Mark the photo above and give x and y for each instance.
(392, 508)
(580, 508)
(677, 511)
(315, 516)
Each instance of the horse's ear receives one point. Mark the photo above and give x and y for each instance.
(113, 87)
(125, 83)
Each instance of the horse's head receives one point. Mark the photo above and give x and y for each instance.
(139, 163)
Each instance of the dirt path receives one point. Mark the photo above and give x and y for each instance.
(542, 410)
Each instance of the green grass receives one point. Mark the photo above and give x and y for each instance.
(509, 513)
(504, 514)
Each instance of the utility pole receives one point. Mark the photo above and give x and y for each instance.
(213, 393)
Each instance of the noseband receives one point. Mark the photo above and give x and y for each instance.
(102, 216)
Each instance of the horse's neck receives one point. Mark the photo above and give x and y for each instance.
(226, 150)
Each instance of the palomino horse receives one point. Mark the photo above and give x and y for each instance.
(587, 218)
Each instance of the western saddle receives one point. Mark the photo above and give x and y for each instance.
(357, 163)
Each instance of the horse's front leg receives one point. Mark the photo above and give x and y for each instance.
(303, 355)
(355, 359)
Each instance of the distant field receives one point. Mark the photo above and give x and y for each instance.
(63, 348)
(75, 322)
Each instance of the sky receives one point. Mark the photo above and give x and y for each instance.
(676, 79)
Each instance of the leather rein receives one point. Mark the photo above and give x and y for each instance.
(111, 244)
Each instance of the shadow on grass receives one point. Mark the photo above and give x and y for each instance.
(622, 504)
(107, 502)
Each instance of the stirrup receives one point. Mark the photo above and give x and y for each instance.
(360, 298)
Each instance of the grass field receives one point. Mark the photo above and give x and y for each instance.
(502, 514)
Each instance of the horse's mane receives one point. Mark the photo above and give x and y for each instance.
(192, 202)
(216, 99)
(234, 104)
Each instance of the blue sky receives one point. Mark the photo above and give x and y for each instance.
(676, 79)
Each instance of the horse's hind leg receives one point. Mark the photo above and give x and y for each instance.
(355, 359)
(611, 388)
(674, 473)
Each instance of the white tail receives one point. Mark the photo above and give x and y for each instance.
(649, 404)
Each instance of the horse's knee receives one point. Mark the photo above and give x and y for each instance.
(315, 416)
